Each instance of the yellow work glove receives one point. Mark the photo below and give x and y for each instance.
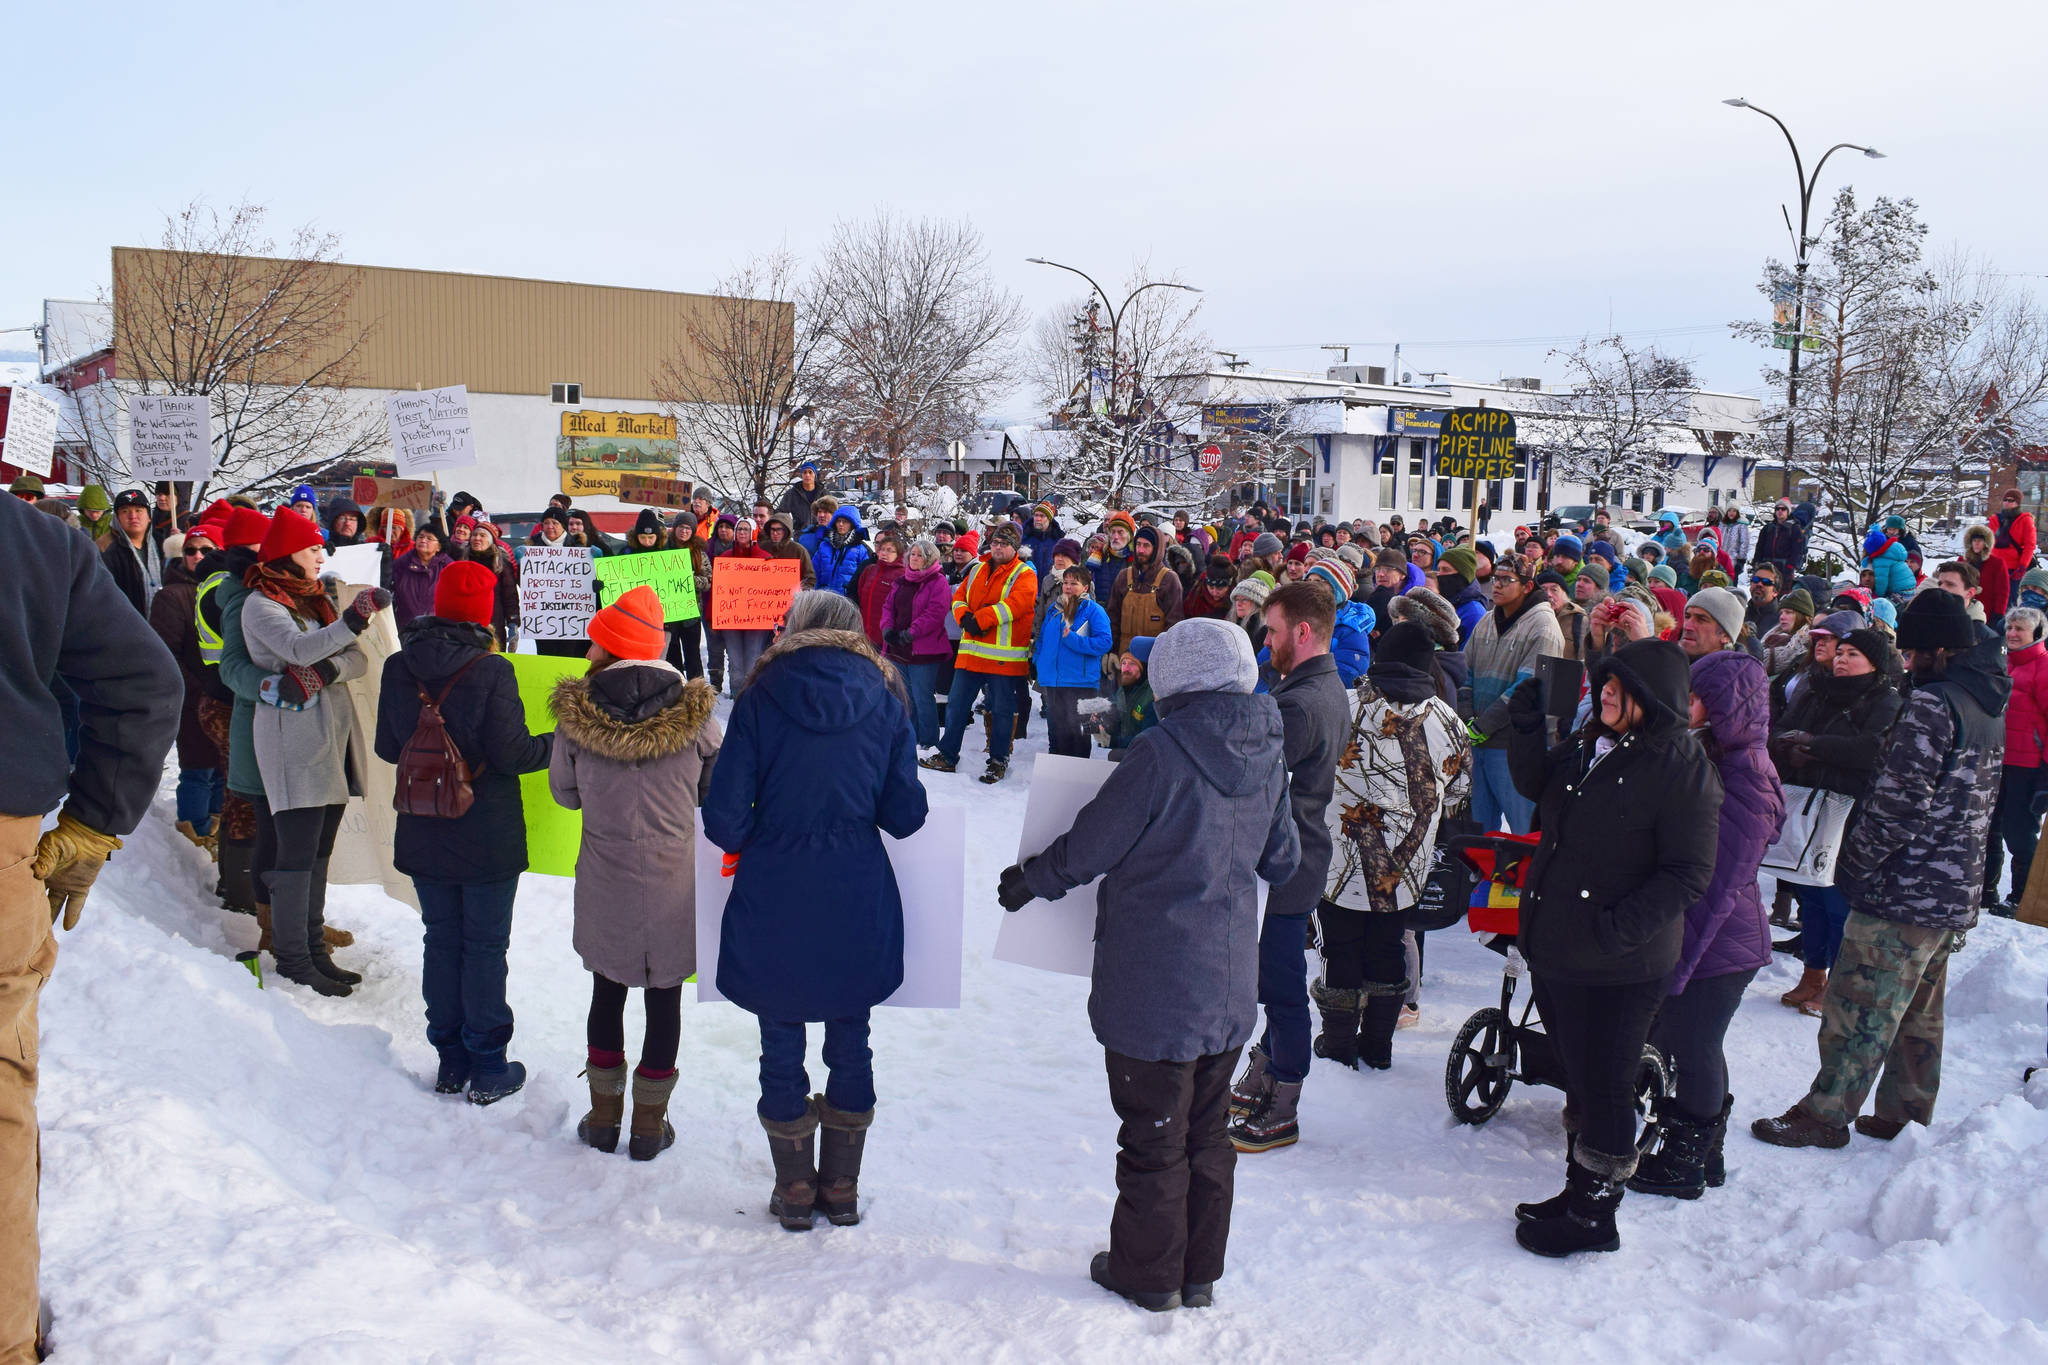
(68, 858)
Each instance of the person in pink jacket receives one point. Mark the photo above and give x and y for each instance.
(2023, 782)
(913, 622)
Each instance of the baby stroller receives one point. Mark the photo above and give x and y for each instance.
(1495, 1048)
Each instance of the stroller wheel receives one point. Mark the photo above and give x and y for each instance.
(1478, 1076)
(1653, 1087)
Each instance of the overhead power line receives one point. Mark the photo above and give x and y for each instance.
(1563, 338)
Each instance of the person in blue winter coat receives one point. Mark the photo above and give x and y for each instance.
(1670, 535)
(1350, 641)
(842, 552)
(1602, 555)
(1884, 554)
(1073, 636)
(818, 763)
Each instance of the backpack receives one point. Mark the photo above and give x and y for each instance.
(433, 779)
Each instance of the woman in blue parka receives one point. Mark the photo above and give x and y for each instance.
(819, 762)
(842, 551)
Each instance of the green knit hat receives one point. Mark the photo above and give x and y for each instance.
(1464, 561)
(93, 498)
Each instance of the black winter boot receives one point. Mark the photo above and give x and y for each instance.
(1379, 1017)
(793, 1144)
(452, 1076)
(600, 1127)
(1151, 1300)
(653, 1134)
(1717, 1167)
(844, 1138)
(492, 1078)
(290, 896)
(1678, 1167)
(1554, 1206)
(1591, 1198)
(1338, 1040)
(316, 931)
(235, 887)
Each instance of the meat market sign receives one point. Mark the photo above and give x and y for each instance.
(1476, 443)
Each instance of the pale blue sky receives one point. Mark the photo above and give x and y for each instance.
(1327, 173)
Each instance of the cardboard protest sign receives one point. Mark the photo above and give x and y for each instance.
(363, 845)
(31, 437)
(408, 495)
(931, 875)
(1058, 936)
(554, 835)
(170, 436)
(362, 565)
(556, 600)
(752, 594)
(1476, 443)
(668, 572)
(430, 430)
(654, 490)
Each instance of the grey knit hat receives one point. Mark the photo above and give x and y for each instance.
(1267, 544)
(1252, 590)
(1352, 555)
(1203, 655)
(1724, 606)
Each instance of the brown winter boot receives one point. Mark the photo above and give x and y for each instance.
(839, 1161)
(336, 938)
(263, 926)
(1813, 984)
(1884, 1130)
(600, 1127)
(793, 1145)
(1798, 1128)
(652, 1132)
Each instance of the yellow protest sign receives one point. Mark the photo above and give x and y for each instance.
(1476, 443)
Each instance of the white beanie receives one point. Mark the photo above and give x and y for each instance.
(1203, 654)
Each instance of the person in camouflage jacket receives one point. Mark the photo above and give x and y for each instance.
(1911, 868)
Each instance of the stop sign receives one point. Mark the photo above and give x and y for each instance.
(1211, 459)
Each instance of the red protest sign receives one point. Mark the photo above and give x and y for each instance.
(752, 594)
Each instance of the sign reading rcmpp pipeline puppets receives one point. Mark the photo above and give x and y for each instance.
(1476, 443)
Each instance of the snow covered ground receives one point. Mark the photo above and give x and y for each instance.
(242, 1175)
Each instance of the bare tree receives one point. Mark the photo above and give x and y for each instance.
(268, 337)
(735, 380)
(913, 338)
(1914, 365)
(1609, 427)
(1134, 382)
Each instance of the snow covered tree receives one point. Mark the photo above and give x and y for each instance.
(1908, 365)
(1128, 384)
(1620, 408)
(736, 380)
(913, 339)
(267, 335)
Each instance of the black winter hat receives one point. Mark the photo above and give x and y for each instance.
(648, 520)
(1404, 642)
(1869, 641)
(1936, 620)
(554, 514)
(1654, 672)
(133, 497)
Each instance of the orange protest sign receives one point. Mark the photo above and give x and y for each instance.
(752, 594)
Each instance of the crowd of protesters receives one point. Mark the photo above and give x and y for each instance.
(1307, 702)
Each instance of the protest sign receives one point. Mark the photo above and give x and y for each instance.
(1476, 443)
(654, 490)
(430, 430)
(408, 495)
(170, 436)
(1058, 936)
(931, 875)
(668, 572)
(31, 430)
(362, 565)
(364, 843)
(752, 594)
(555, 596)
(554, 834)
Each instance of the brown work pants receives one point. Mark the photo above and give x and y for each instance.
(27, 953)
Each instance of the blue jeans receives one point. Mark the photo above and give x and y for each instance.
(849, 1062)
(200, 791)
(1494, 798)
(923, 682)
(1283, 990)
(469, 927)
(1822, 912)
(1002, 705)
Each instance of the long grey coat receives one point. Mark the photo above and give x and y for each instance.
(637, 784)
(313, 757)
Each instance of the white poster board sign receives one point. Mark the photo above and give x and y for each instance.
(556, 592)
(361, 565)
(931, 878)
(1058, 936)
(430, 430)
(31, 430)
(170, 436)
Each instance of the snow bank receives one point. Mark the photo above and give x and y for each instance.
(243, 1175)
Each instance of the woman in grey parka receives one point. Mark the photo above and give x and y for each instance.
(634, 748)
(307, 749)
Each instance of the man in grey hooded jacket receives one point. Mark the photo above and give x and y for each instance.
(1181, 833)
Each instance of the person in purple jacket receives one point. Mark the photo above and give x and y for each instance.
(413, 577)
(1727, 935)
(914, 633)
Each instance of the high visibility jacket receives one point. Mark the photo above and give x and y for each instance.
(1001, 603)
(209, 637)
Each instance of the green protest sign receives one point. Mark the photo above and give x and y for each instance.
(665, 571)
(1476, 443)
(554, 836)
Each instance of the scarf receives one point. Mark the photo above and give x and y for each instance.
(303, 597)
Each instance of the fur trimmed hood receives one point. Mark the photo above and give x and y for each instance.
(852, 641)
(1430, 611)
(670, 730)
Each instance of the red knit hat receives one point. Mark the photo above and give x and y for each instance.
(217, 512)
(970, 539)
(244, 526)
(287, 536)
(465, 591)
(631, 627)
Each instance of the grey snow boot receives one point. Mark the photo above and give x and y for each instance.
(1273, 1124)
(290, 897)
(1250, 1090)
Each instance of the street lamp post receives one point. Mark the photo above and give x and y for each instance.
(1116, 311)
(1800, 244)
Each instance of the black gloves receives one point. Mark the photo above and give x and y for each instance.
(1011, 893)
(969, 625)
(1526, 699)
(899, 638)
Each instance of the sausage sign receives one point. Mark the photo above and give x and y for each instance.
(1476, 443)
